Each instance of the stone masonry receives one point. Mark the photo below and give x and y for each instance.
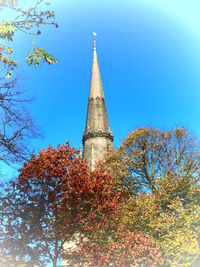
(97, 137)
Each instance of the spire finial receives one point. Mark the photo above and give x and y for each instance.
(94, 43)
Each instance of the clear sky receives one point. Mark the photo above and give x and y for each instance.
(149, 58)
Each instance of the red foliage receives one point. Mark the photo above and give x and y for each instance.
(78, 197)
(127, 249)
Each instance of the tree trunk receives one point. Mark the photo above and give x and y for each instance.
(55, 262)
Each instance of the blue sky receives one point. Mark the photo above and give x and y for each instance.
(149, 57)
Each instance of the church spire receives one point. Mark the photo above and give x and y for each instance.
(97, 137)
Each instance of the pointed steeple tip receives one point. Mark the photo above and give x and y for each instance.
(94, 41)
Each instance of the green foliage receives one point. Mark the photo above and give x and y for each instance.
(27, 21)
(10, 65)
(38, 55)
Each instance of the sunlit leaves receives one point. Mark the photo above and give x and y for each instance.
(62, 197)
(27, 21)
(39, 55)
(148, 155)
(124, 249)
(159, 173)
(6, 30)
(180, 243)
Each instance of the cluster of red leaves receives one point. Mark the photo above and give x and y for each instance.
(78, 196)
(128, 249)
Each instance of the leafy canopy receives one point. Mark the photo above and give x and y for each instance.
(56, 197)
(158, 172)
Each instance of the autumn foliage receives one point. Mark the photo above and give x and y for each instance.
(143, 210)
(159, 173)
(56, 196)
(70, 188)
(124, 249)
(65, 197)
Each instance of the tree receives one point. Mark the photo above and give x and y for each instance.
(148, 155)
(16, 125)
(16, 235)
(159, 174)
(57, 196)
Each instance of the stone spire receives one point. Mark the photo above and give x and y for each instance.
(97, 137)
